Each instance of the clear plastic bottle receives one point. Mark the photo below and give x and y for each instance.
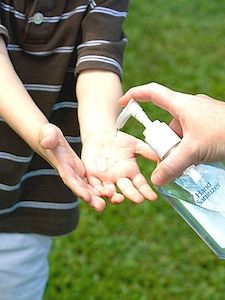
(198, 195)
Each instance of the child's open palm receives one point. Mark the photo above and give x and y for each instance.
(110, 162)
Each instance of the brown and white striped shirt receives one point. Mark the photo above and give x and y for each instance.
(49, 43)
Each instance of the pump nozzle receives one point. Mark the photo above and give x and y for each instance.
(160, 137)
(133, 109)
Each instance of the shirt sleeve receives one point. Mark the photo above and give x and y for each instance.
(103, 40)
(3, 30)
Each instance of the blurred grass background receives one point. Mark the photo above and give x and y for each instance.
(148, 252)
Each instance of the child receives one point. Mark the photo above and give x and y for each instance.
(48, 42)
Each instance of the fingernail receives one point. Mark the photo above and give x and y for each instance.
(156, 178)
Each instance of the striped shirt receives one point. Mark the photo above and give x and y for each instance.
(49, 43)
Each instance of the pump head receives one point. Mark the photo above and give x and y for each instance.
(133, 109)
(158, 135)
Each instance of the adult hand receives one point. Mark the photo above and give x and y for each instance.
(199, 119)
(56, 150)
(109, 159)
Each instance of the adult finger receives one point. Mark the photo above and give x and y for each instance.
(157, 94)
(176, 127)
(182, 157)
(205, 97)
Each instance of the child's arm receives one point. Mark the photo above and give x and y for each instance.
(109, 159)
(16, 105)
(20, 112)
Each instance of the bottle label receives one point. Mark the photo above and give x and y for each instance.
(201, 191)
(206, 184)
(204, 193)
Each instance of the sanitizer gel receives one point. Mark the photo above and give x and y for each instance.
(198, 195)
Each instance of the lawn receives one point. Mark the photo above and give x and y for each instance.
(148, 252)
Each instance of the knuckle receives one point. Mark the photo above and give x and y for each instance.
(168, 171)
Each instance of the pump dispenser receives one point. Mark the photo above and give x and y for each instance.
(154, 130)
(198, 195)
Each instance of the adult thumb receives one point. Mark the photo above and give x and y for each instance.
(178, 160)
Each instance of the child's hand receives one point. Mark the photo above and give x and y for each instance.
(110, 162)
(56, 150)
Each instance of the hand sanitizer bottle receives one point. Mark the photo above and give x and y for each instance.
(198, 195)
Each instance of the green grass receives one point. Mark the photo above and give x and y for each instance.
(148, 252)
